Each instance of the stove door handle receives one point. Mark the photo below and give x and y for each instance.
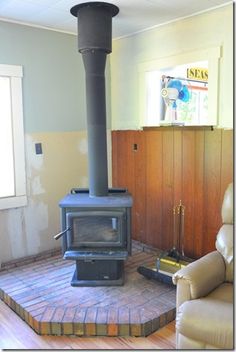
(60, 234)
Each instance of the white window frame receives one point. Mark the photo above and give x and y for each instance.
(212, 55)
(15, 73)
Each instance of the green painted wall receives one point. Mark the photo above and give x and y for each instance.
(54, 80)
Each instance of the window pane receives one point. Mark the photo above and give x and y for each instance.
(7, 187)
(191, 111)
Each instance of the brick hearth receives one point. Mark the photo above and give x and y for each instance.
(41, 294)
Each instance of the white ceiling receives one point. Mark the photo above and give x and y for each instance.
(134, 15)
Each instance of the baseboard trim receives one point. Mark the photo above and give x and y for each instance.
(30, 259)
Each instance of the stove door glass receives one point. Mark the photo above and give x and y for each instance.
(96, 229)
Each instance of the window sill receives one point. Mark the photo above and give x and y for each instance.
(13, 202)
(185, 127)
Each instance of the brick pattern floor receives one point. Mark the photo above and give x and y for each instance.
(41, 294)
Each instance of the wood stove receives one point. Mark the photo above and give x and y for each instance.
(96, 234)
(95, 222)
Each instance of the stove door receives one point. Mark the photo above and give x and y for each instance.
(96, 229)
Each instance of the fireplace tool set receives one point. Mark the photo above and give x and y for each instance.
(169, 262)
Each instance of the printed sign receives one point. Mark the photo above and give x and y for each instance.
(200, 74)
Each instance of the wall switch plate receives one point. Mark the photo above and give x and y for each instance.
(135, 147)
(38, 148)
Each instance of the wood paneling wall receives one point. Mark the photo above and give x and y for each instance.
(160, 167)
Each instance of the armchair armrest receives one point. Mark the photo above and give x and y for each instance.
(200, 277)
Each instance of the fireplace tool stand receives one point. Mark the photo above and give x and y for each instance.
(169, 262)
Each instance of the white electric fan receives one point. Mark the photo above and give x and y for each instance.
(173, 91)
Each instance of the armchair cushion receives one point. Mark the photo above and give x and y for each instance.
(203, 275)
(224, 292)
(208, 321)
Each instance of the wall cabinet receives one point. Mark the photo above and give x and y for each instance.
(160, 167)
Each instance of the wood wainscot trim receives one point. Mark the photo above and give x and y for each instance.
(178, 127)
(161, 166)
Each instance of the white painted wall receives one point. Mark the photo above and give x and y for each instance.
(211, 29)
(29, 230)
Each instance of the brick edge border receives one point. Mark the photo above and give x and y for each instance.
(60, 328)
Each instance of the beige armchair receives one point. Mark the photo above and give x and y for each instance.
(204, 317)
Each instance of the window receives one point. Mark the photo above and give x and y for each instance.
(190, 108)
(12, 156)
(200, 109)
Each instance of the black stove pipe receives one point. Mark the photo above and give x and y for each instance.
(94, 43)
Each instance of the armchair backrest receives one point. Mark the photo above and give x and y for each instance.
(227, 206)
(224, 240)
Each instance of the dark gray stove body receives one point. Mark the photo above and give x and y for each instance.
(96, 221)
(97, 235)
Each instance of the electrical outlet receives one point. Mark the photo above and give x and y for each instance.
(38, 148)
